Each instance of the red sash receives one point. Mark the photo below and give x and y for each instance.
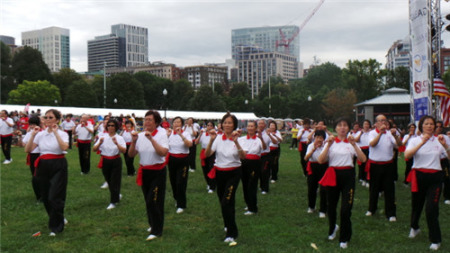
(203, 157)
(273, 148)
(45, 157)
(6, 135)
(300, 145)
(100, 163)
(402, 148)
(309, 168)
(412, 178)
(158, 166)
(179, 155)
(369, 162)
(252, 157)
(83, 141)
(329, 178)
(264, 154)
(212, 172)
(28, 159)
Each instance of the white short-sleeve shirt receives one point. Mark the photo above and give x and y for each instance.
(364, 139)
(304, 134)
(204, 139)
(147, 153)
(48, 144)
(251, 145)
(384, 150)
(315, 156)
(25, 141)
(340, 154)
(127, 136)
(227, 155)
(82, 132)
(273, 145)
(108, 148)
(428, 156)
(67, 125)
(267, 141)
(176, 143)
(4, 128)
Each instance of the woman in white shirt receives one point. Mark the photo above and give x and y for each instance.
(253, 145)
(179, 143)
(110, 146)
(126, 134)
(6, 135)
(409, 162)
(33, 155)
(51, 168)
(275, 137)
(207, 162)
(363, 142)
(152, 146)
(340, 179)
(426, 178)
(227, 171)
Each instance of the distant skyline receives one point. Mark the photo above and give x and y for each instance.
(188, 33)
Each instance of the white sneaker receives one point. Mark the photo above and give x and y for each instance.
(263, 192)
(120, 196)
(392, 219)
(52, 234)
(225, 229)
(210, 191)
(229, 239)
(249, 213)
(66, 221)
(322, 215)
(367, 185)
(151, 237)
(435, 246)
(191, 170)
(369, 213)
(333, 235)
(413, 233)
(447, 202)
(310, 210)
(149, 229)
(180, 210)
(7, 161)
(343, 245)
(104, 185)
(273, 181)
(111, 206)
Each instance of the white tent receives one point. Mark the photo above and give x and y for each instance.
(138, 112)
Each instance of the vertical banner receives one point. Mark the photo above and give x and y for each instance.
(419, 20)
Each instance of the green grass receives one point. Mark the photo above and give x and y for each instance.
(282, 224)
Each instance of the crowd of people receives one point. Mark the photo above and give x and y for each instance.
(229, 156)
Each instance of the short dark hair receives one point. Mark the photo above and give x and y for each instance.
(368, 121)
(116, 124)
(356, 123)
(55, 112)
(229, 115)
(178, 117)
(320, 133)
(156, 116)
(210, 121)
(339, 120)
(306, 121)
(34, 120)
(273, 122)
(422, 120)
(252, 122)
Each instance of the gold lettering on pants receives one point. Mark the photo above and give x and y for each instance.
(230, 192)
(155, 192)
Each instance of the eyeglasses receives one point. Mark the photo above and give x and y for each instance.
(48, 117)
(111, 125)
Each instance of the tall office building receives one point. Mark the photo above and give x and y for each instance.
(283, 39)
(126, 46)
(53, 43)
(398, 54)
(8, 40)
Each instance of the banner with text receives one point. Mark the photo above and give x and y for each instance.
(420, 57)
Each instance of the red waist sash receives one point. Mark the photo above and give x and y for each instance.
(252, 157)
(212, 172)
(83, 141)
(308, 167)
(158, 166)
(203, 157)
(100, 163)
(300, 145)
(329, 178)
(179, 155)
(45, 157)
(412, 178)
(369, 162)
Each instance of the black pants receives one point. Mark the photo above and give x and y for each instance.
(266, 163)
(227, 183)
(52, 178)
(6, 146)
(84, 154)
(129, 162)
(275, 163)
(70, 138)
(192, 155)
(250, 174)
(294, 143)
(209, 164)
(34, 181)
(178, 175)
(302, 157)
(382, 177)
(112, 171)
(430, 186)
(446, 169)
(408, 167)
(362, 175)
(313, 183)
(154, 190)
(345, 186)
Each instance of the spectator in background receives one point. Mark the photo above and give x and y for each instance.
(68, 126)
(6, 135)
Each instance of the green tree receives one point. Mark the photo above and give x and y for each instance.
(206, 100)
(364, 77)
(28, 64)
(35, 93)
(81, 94)
(153, 90)
(63, 79)
(97, 86)
(335, 106)
(8, 82)
(126, 90)
(399, 77)
(181, 95)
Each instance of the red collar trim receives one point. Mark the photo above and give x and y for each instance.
(378, 131)
(253, 137)
(224, 137)
(154, 132)
(337, 140)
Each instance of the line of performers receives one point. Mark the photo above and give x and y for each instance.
(329, 161)
(226, 158)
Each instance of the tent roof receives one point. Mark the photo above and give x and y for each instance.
(391, 96)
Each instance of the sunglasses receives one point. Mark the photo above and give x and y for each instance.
(48, 117)
(112, 125)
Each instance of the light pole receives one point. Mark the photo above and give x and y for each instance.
(115, 102)
(270, 105)
(309, 103)
(104, 84)
(56, 102)
(165, 104)
(246, 103)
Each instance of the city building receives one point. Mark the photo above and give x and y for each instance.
(54, 44)
(8, 40)
(283, 39)
(125, 46)
(206, 75)
(256, 67)
(445, 59)
(398, 54)
(159, 69)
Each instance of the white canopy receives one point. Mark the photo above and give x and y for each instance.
(138, 112)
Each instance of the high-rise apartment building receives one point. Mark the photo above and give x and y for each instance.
(206, 75)
(283, 39)
(8, 40)
(53, 43)
(126, 46)
(398, 54)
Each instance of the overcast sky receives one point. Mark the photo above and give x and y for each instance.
(187, 32)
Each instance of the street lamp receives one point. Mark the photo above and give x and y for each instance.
(56, 102)
(309, 98)
(165, 98)
(246, 103)
(104, 84)
(115, 102)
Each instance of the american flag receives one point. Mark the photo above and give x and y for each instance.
(443, 96)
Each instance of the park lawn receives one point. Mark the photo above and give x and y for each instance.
(282, 224)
